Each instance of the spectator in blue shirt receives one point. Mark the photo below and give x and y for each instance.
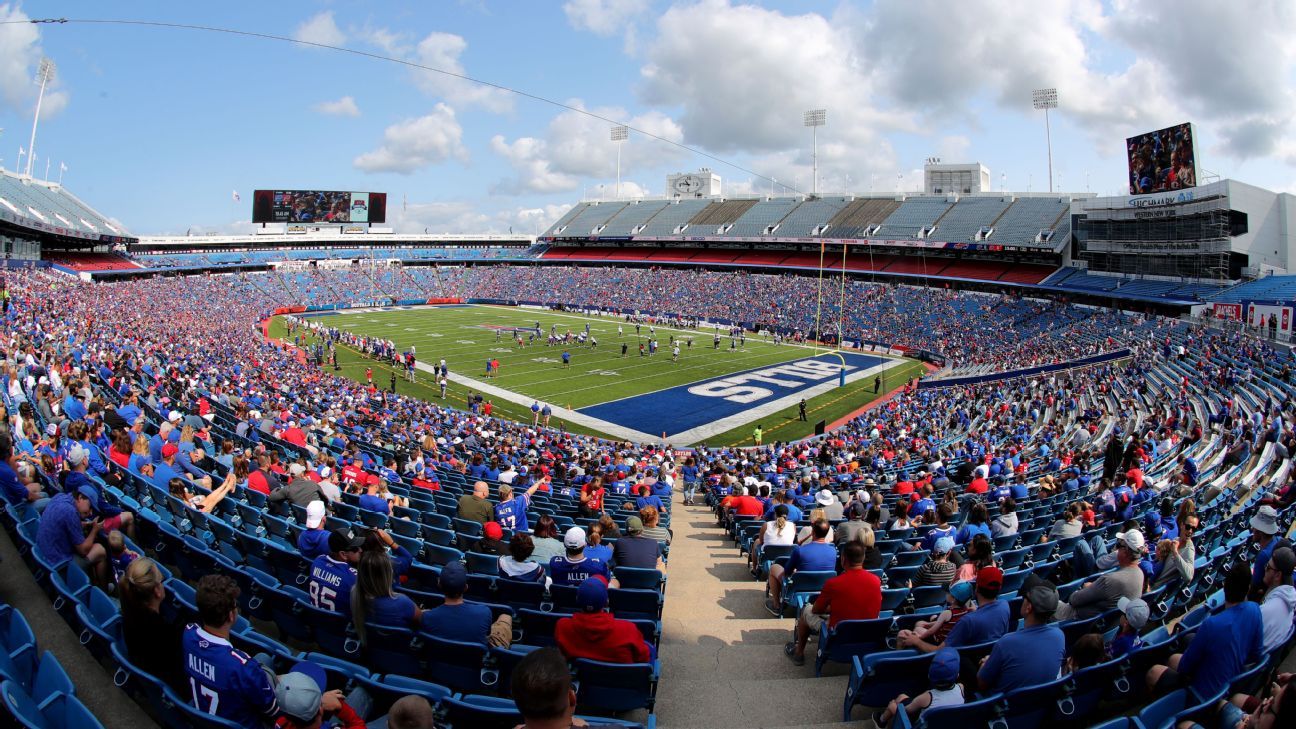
(15, 491)
(1264, 527)
(817, 555)
(977, 523)
(1225, 644)
(989, 622)
(1031, 655)
(462, 621)
(62, 537)
(575, 567)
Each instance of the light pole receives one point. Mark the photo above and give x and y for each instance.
(1046, 99)
(43, 76)
(619, 134)
(814, 119)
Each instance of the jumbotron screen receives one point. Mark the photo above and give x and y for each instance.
(318, 207)
(1162, 160)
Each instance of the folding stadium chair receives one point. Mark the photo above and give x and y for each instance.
(254, 585)
(56, 711)
(391, 649)
(288, 565)
(1036, 706)
(615, 686)
(459, 665)
(979, 713)
(140, 684)
(639, 578)
(287, 615)
(435, 554)
(180, 713)
(884, 679)
(1160, 714)
(332, 631)
(927, 596)
(71, 587)
(851, 638)
(39, 677)
(482, 564)
(635, 604)
(387, 690)
(481, 712)
(801, 587)
(100, 622)
(537, 626)
(893, 598)
(16, 635)
(506, 660)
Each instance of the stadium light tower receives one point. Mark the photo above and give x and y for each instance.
(620, 133)
(814, 119)
(1046, 99)
(44, 75)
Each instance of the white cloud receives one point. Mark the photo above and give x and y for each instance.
(321, 29)
(603, 17)
(742, 76)
(468, 218)
(576, 146)
(20, 54)
(344, 106)
(442, 51)
(413, 144)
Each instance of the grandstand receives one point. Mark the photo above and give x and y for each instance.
(48, 207)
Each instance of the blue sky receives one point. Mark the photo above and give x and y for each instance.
(158, 126)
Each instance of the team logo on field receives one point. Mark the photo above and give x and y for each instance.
(736, 388)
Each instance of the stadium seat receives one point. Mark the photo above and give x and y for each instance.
(38, 677)
(884, 680)
(1036, 706)
(55, 711)
(487, 712)
(461, 666)
(979, 713)
(851, 638)
(390, 649)
(615, 686)
(100, 622)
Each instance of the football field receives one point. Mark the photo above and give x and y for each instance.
(709, 395)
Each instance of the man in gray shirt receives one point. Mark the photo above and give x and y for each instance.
(828, 501)
(1108, 588)
(853, 529)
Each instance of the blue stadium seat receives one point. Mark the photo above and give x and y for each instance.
(16, 635)
(459, 665)
(100, 622)
(481, 712)
(287, 615)
(802, 586)
(386, 690)
(1160, 714)
(638, 578)
(38, 677)
(390, 649)
(178, 712)
(1036, 706)
(615, 686)
(55, 711)
(851, 638)
(884, 680)
(970, 715)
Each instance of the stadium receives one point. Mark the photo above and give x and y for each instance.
(944, 457)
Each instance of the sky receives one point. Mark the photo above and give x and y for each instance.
(158, 127)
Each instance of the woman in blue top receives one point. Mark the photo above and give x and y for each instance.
(978, 522)
(375, 602)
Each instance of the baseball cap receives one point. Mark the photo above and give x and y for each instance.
(454, 578)
(296, 469)
(300, 690)
(314, 514)
(944, 667)
(77, 456)
(341, 541)
(173, 416)
(592, 595)
(169, 450)
(1136, 611)
(989, 579)
(944, 545)
(1044, 598)
(89, 492)
(493, 530)
(1133, 540)
(825, 498)
(634, 525)
(962, 591)
(52, 429)
(574, 538)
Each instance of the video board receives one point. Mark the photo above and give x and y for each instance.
(1162, 160)
(318, 207)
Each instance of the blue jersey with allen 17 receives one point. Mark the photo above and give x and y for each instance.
(512, 514)
(225, 681)
(564, 572)
(330, 584)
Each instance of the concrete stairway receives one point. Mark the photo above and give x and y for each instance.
(722, 653)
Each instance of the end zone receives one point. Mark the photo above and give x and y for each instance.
(693, 412)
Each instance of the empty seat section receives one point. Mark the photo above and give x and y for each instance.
(968, 216)
(632, 217)
(1022, 222)
(759, 217)
(913, 215)
(856, 218)
(718, 214)
(672, 216)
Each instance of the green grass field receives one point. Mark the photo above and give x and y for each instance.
(463, 338)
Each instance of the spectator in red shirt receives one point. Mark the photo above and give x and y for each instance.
(855, 594)
(979, 485)
(257, 479)
(748, 505)
(597, 635)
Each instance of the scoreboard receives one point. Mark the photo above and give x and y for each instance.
(318, 207)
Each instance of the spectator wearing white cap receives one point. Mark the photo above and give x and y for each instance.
(1264, 528)
(832, 506)
(1134, 617)
(1101, 595)
(574, 567)
(313, 541)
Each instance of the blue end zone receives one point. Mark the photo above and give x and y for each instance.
(685, 407)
